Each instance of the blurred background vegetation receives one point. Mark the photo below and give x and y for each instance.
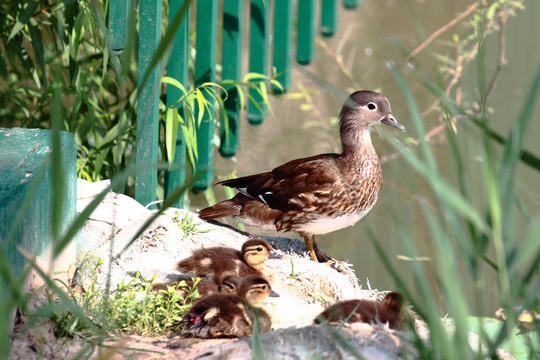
(456, 228)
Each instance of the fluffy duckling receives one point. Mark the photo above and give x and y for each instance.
(526, 320)
(227, 315)
(229, 284)
(217, 261)
(386, 311)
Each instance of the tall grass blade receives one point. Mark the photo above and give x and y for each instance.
(257, 352)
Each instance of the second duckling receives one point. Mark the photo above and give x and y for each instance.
(226, 315)
(229, 284)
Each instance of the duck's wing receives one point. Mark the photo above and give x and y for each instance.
(294, 184)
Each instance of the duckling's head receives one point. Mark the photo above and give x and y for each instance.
(255, 290)
(257, 251)
(393, 301)
(230, 284)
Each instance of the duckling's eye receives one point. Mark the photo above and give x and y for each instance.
(259, 249)
(372, 106)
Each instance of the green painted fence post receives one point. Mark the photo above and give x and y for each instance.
(305, 42)
(205, 71)
(26, 198)
(258, 54)
(118, 23)
(283, 12)
(177, 68)
(351, 4)
(148, 102)
(232, 70)
(329, 11)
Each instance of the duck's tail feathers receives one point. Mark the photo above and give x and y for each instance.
(222, 209)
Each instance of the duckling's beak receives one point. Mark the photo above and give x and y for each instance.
(389, 119)
(274, 255)
(273, 293)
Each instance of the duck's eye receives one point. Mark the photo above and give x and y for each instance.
(372, 106)
(259, 249)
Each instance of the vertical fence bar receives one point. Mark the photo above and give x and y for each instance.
(351, 4)
(305, 42)
(258, 53)
(205, 71)
(148, 102)
(118, 22)
(329, 9)
(178, 68)
(232, 70)
(283, 12)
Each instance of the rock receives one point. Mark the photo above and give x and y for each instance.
(115, 226)
(114, 212)
(318, 342)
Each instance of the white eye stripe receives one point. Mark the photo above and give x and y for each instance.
(371, 106)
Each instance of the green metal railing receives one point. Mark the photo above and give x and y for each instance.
(205, 71)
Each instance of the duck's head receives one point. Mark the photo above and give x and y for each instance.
(255, 290)
(393, 301)
(230, 284)
(361, 110)
(256, 251)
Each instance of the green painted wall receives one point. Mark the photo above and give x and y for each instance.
(25, 191)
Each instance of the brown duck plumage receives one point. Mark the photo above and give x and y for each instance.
(216, 262)
(229, 284)
(318, 194)
(369, 311)
(226, 315)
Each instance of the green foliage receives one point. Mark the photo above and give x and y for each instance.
(132, 307)
(257, 352)
(486, 234)
(294, 275)
(57, 55)
(135, 308)
(208, 98)
(481, 231)
(186, 224)
(60, 51)
(87, 314)
(322, 300)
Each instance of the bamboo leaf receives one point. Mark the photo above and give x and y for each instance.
(174, 82)
(201, 107)
(171, 128)
(23, 19)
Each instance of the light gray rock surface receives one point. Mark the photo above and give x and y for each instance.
(111, 234)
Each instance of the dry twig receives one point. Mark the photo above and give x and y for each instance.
(436, 34)
(461, 61)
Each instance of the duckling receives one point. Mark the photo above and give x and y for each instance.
(227, 315)
(229, 284)
(214, 262)
(527, 320)
(386, 311)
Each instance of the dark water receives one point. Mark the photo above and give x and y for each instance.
(364, 36)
